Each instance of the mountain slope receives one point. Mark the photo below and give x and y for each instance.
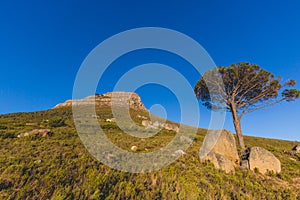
(59, 166)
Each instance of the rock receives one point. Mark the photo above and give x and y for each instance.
(292, 159)
(150, 124)
(142, 117)
(158, 125)
(222, 143)
(108, 156)
(134, 148)
(40, 132)
(178, 153)
(37, 161)
(263, 160)
(171, 127)
(220, 162)
(146, 123)
(185, 139)
(296, 148)
(130, 99)
(111, 120)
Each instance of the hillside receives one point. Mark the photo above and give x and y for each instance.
(58, 166)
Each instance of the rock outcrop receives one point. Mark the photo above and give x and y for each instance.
(220, 148)
(130, 99)
(171, 127)
(159, 125)
(263, 160)
(39, 132)
(142, 117)
(146, 123)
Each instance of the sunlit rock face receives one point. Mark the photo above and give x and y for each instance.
(221, 150)
(263, 160)
(224, 144)
(130, 99)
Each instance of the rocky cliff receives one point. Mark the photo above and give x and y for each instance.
(103, 100)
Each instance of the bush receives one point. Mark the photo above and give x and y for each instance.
(2, 127)
(7, 135)
(57, 122)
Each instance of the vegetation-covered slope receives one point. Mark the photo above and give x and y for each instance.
(59, 166)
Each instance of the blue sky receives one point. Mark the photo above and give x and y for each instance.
(43, 43)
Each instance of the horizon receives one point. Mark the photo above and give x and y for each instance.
(43, 47)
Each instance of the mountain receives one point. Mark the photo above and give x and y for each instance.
(58, 166)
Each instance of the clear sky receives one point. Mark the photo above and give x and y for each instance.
(43, 43)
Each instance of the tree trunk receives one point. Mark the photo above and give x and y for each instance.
(238, 130)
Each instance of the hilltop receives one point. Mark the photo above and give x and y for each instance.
(58, 166)
(130, 99)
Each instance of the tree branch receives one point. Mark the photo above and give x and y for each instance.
(245, 111)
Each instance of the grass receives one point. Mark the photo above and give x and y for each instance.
(67, 171)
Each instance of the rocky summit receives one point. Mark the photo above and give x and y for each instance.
(106, 100)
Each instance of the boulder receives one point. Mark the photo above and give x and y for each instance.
(178, 153)
(222, 143)
(296, 148)
(292, 159)
(263, 160)
(111, 120)
(146, 123)
(159, 125)
(185, 139)
(40, 132)
(171, 127)
(220, 162)
(153, 125)
(134, 148)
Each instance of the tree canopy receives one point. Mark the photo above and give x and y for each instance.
(243, 88)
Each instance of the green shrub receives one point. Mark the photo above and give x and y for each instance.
(7, 135)
(2, 127)
(57, 122)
